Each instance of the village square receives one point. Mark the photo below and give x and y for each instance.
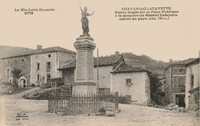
(57, 86)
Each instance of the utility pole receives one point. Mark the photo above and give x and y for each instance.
(97, 71)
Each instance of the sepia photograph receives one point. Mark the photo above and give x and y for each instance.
(96, 63)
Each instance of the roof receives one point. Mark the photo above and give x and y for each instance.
(183, 63)
(117, 61)
(54, 49)
(195, 61)
(101, 61)
(45, 50)
(194, 90)
(124, 68)
(58, 80)
(13, 51)
(21, 55)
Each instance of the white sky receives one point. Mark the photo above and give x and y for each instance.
(176, 39)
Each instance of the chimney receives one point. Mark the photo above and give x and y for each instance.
(117, 53)
(39, 47)
(170, 61)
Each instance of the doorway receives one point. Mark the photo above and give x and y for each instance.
(180, 100)
(22, 82)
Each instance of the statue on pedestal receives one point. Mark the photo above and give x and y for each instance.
(85, 21)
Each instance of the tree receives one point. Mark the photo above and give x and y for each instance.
(17, 73)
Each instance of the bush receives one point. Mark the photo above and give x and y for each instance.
(102, 111)
(46, 85)
(125, 99)
(33, 85)
(9, 85)
(6, 83)
(121, 99)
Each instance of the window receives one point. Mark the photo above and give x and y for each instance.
(48, 66)
(10, 80)
(192, 82)
(180, 70)
(128, 81)
(38, 66)
(48, 76)
(49, 55)
(181, 81)
(38, 77)
(8, 72)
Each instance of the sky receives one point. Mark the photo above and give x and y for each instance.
(177, 38)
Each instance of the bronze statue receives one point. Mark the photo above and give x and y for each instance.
(85, 21)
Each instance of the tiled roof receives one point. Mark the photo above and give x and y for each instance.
(195, 61)
(12, 52)
(45, 50)
(124, 68)
(107, 60)
(71, 64)
(54, 49)
(19, 55)
(182, 63)
(102, 61)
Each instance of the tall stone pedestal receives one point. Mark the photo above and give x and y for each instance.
(84, 79)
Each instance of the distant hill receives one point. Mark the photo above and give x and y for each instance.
(145, 61)
(7, 51)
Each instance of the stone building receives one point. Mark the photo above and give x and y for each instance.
(131, 81)
(113, 74)
(20, 62)
(192, 84)
(37, 66)
(45, 63)
(1, 69)
(175, 80)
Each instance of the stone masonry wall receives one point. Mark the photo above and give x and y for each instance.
(22, 63)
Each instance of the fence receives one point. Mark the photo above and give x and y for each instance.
(82, 104)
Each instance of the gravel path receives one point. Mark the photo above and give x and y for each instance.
(130, 115)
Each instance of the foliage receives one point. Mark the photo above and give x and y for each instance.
(102, 111)
(154, 80)
(126, 99)
(39, 95)
(46, 85)
(17, 73)
(196, 99)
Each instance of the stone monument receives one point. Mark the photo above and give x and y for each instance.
(84, 80)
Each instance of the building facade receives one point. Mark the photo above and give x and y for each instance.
(192, 84)
(132, 81)
(22, 63)
(45, 63)
(175, 80)
(37, 66)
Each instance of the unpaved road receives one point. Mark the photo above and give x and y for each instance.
(130, 115)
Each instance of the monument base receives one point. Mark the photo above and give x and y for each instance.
(84, 88)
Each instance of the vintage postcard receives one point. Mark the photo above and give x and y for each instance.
(86, 63)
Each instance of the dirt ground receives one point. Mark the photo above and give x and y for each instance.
(130, 115)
